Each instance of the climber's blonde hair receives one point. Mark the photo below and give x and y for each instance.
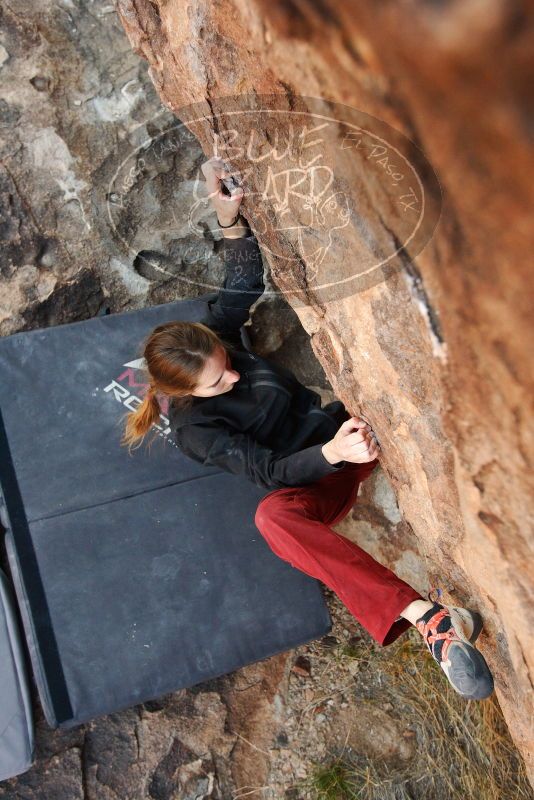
(175, 354)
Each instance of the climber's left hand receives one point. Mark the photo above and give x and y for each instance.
(226, 206)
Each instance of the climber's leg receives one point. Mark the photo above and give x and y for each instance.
(296, 521)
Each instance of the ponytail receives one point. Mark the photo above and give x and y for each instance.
(139, 422)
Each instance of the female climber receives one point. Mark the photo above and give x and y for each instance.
(235, 410)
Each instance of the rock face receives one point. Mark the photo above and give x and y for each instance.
(75, 101)
(433, 352)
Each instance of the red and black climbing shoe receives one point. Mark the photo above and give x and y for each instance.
(450, 634)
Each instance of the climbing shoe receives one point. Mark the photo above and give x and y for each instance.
(450, 634)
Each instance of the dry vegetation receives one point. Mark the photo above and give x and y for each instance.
(463, 748)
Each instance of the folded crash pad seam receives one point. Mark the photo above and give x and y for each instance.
(29, 628)
(34, 589)
(17, 656)
(106, 502)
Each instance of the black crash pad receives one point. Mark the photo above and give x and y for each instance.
(136, 575)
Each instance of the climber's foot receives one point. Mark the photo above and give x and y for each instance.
(449, 634)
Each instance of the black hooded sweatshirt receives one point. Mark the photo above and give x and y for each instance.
(268, 427)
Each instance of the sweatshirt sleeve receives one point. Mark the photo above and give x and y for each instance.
(243, 285)
(240, 454)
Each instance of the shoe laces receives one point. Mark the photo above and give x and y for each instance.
(429, 631)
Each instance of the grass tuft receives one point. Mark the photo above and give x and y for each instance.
(333, 782)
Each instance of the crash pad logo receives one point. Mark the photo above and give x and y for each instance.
(337, 198)
(130, 392)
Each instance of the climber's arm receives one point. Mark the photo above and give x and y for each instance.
(235, 452)
(243, 283)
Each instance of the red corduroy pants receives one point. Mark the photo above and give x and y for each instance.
(295, 521)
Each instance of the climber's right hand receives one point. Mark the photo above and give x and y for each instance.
(355, 441)
(226, 206)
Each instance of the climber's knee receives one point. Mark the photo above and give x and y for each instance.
(262, 512)
(268, 505)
